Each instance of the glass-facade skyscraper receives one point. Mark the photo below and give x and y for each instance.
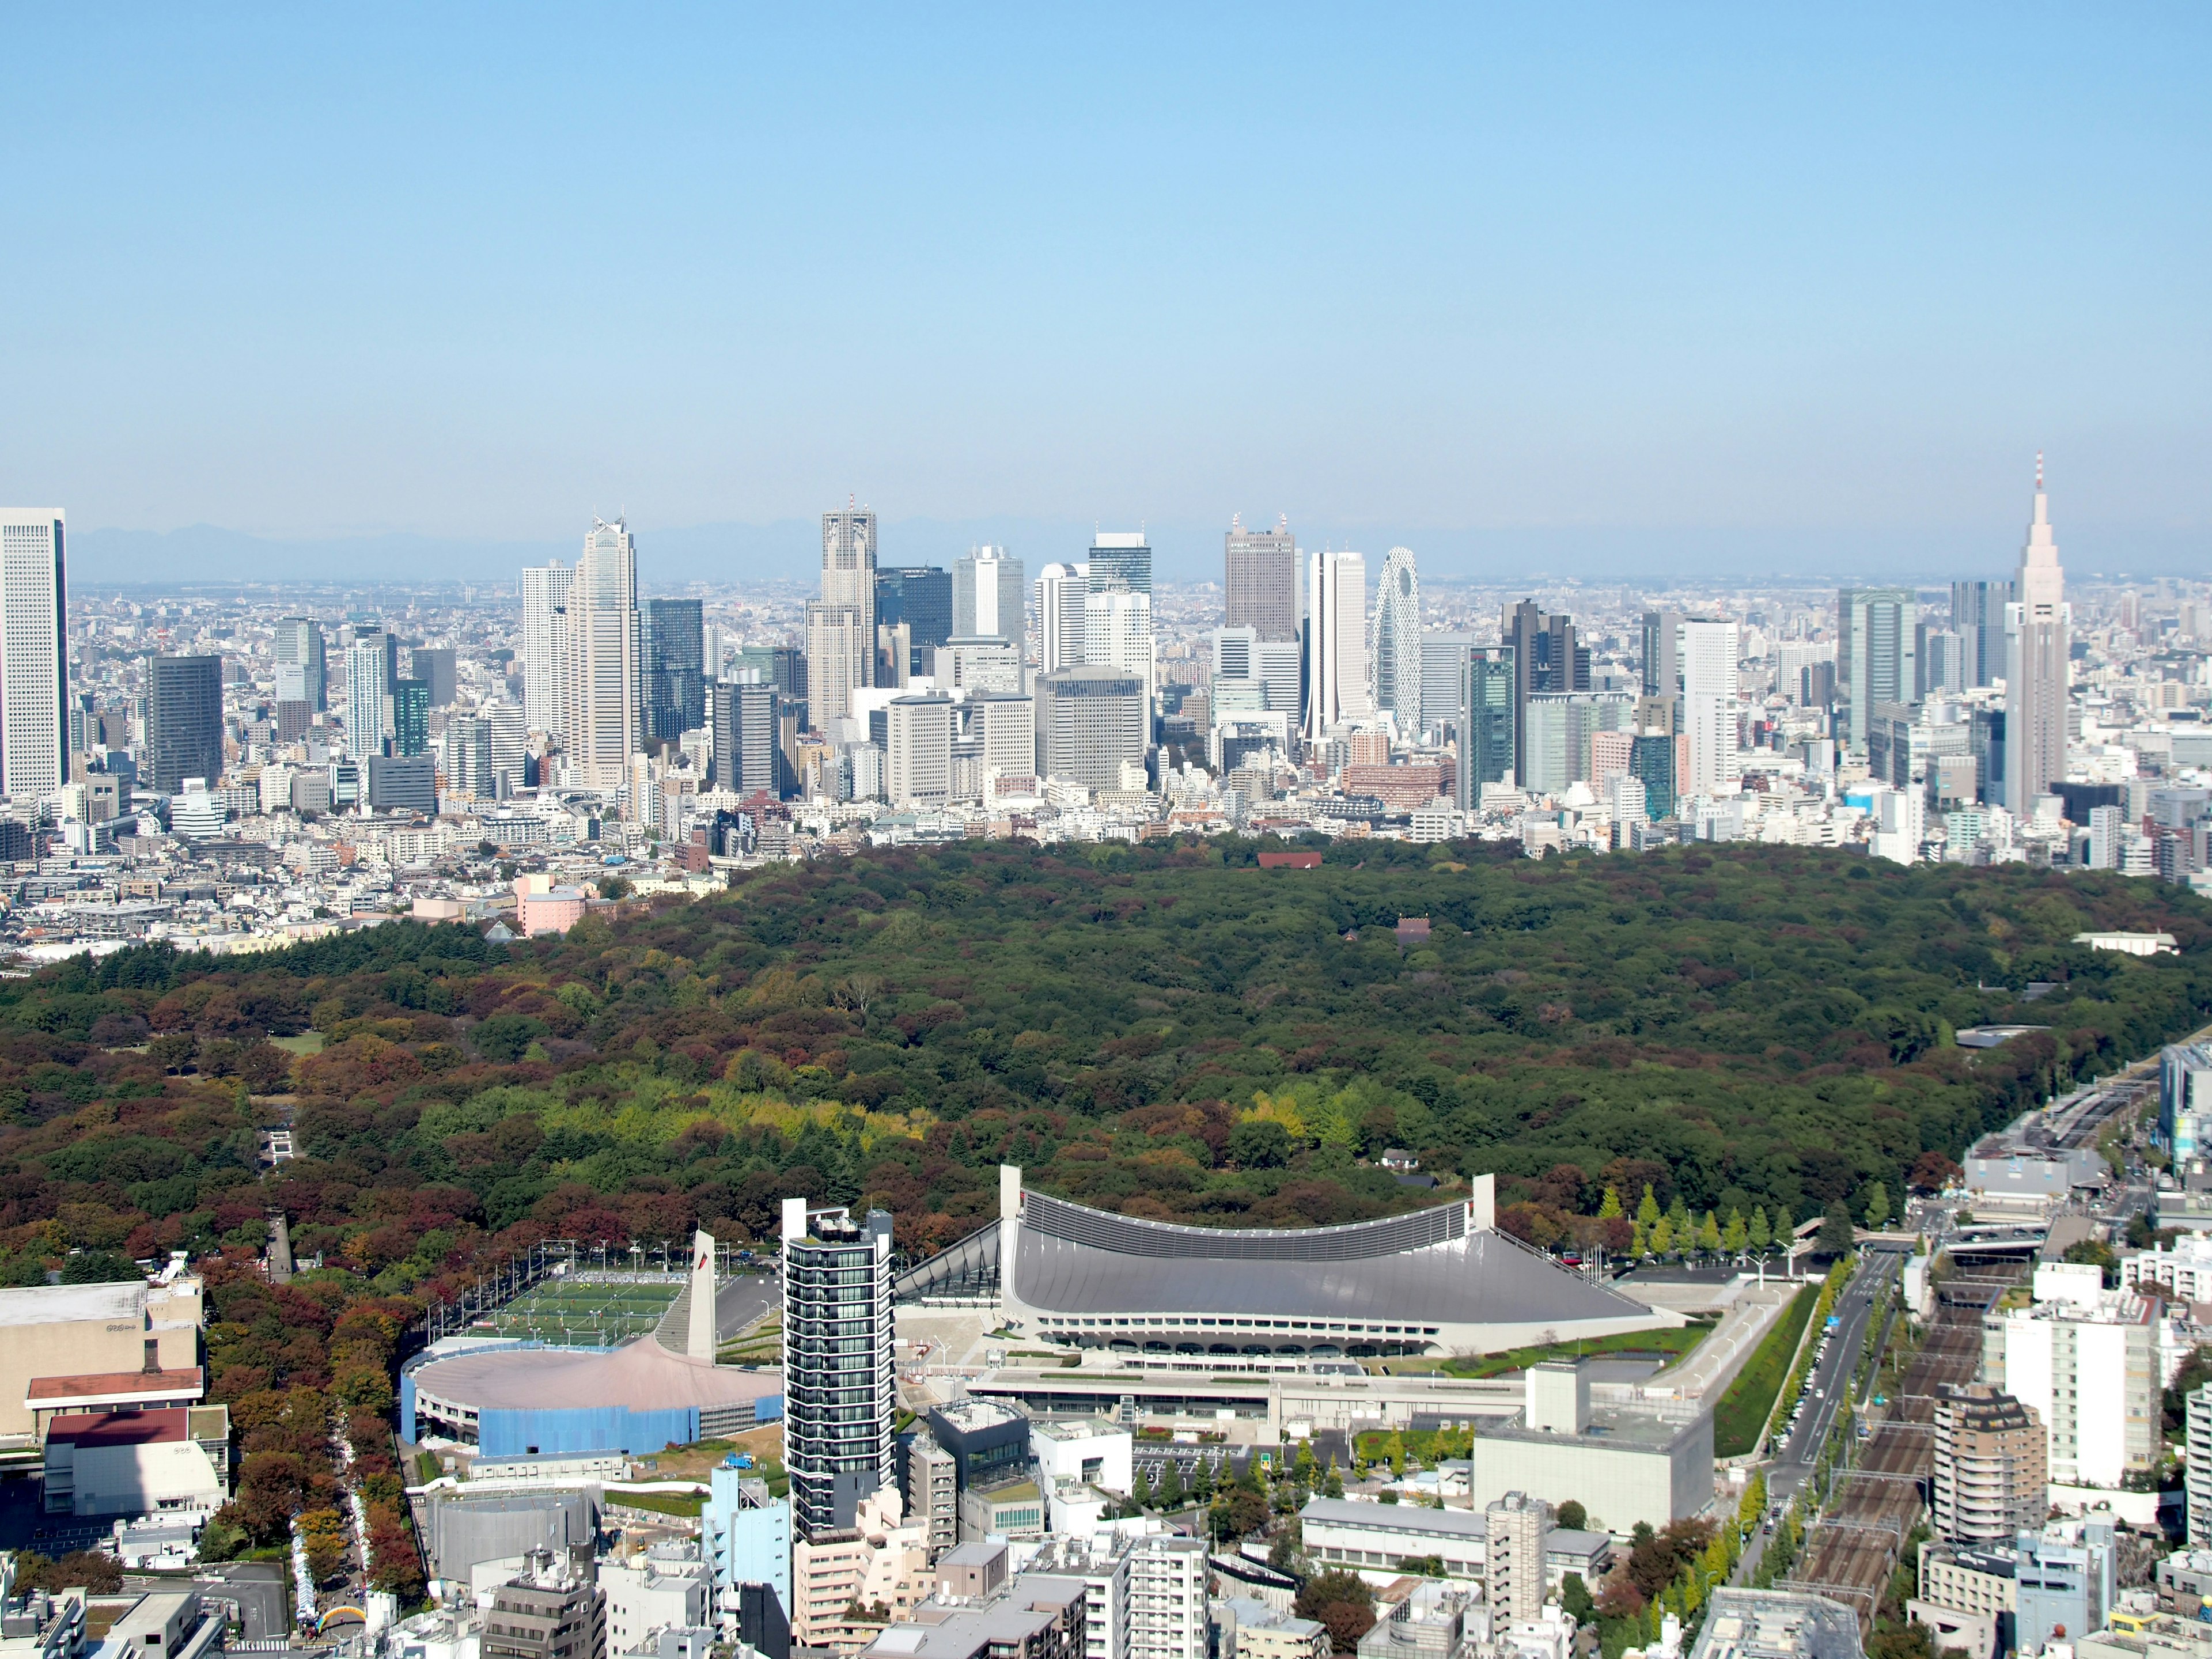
(673, 635)
(837, 1375)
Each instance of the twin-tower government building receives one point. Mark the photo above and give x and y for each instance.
(1438, 1281)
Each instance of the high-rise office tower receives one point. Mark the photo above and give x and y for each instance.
(1260, 571)
(604, 719)
(510, 740)
(1711, 652)
(1121, 558)
(1876, 639)
(301, 673)
(1548, 657)
(841, 625)
(1940, 655)
(1485, 721)
(184, 721)
(545, 648)
(1093, 725)
(1252, 675)
(1060, 592)
(1663, 668)
(410, 717)
(746, 749)
(837, 1393)
(921, 596)
(1336, 642)
(1978, 615)
(673, 643)
(1442, 655)
(989, 598)
(1117, 632)
(2037, 624)
(372, 668)
(33, 652)
(436, 666)
(918, 750)
(1393, 642)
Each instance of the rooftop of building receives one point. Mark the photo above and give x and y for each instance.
(113, 1385)
(1075, 1428)
(1395, 1517)
(1998, 1563)
(1433, 1266)
(1982, 1407)
(1751, 1624)
(937, 1630)
(640, 1375)
(1621, 1427)
(55, 1304)
(973, 1413)
(86, 1429)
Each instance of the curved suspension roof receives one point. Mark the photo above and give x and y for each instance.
(1430, 1267)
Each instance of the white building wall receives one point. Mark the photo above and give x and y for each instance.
(2100, 1386)
(33, 653)
(544, 648)
(1337, 643)
(605, 717)
(1167, 1599)
(1060, 605)
(1117, 632)
(1710, 651)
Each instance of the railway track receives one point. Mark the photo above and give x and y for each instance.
(1852, 1548)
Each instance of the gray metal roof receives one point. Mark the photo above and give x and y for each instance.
(1428, 1267)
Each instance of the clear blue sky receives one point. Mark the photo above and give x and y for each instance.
(1785, 276)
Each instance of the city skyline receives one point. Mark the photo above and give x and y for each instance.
(1825, 355)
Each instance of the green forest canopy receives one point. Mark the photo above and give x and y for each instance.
(1170, 1030)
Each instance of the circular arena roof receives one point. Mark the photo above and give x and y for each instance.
(641, 1374)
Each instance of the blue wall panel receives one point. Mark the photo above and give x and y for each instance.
(515, 1433)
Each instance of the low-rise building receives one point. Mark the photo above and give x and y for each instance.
(2182, 1270)
(96, 1348)
(138, 1462)
(2158, 1635)
(668, 1587)
(1035, 1617)
(1361, 1537)
(38, 1624)
(1435, 1621)
(1771, 1623)
(1011, 1508)
(1624, 1464)
(546, 1612)
(1266, 1632)
(1084, 1451)
(848, 1584)
(167, 1624)
(1973, 1580)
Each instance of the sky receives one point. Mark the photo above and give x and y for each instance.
(1611, 291)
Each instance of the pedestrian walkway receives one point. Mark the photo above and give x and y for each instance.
(1708, 1368)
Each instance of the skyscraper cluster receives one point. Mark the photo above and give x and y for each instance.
(1321, 689)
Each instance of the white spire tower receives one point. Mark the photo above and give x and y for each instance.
(2037, 629)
